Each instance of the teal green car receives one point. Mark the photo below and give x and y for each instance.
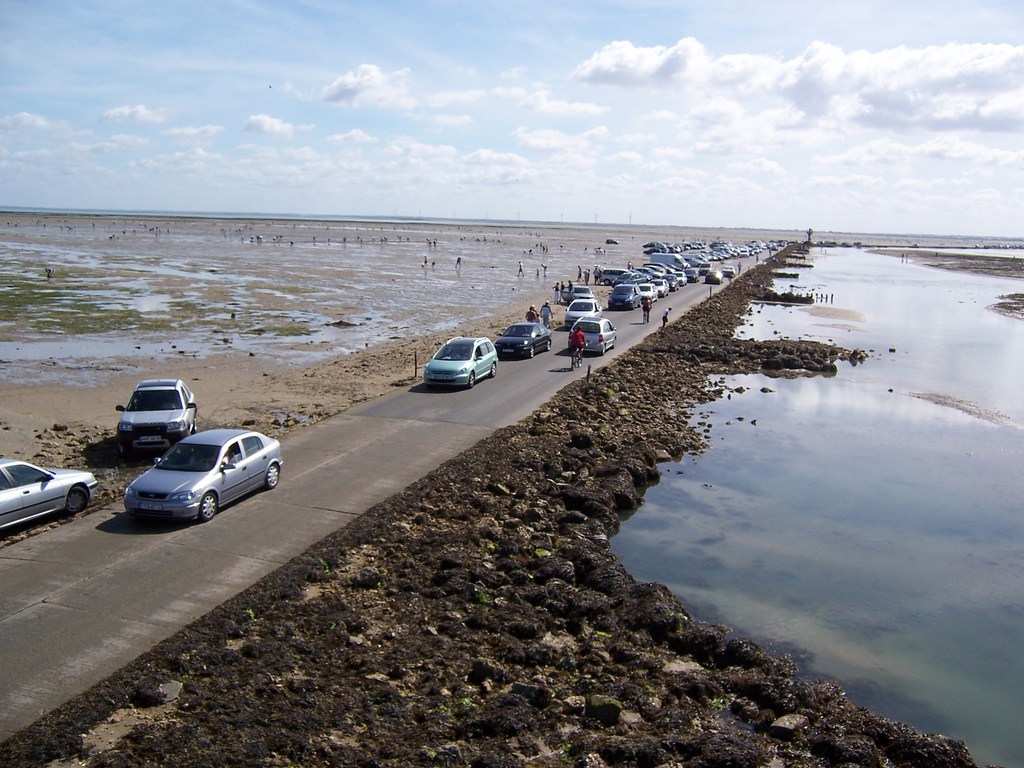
(461, 362)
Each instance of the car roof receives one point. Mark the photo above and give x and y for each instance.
(218, 436)
(157, 383)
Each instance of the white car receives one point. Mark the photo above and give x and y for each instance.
(160, 413)
(660, 286)
(28, 491)
(728, 270)
(582, 308)
(648, 291)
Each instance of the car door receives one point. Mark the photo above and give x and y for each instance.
(232, 472)
(255, 462)
(10, 501)
(38, 491)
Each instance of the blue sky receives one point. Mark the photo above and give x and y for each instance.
(841, 116)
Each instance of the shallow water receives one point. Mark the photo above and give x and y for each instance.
(874, 533)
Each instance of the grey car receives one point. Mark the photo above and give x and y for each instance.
(205, 472)
(28, 491)
(599, 332)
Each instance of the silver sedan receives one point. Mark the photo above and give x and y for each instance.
(205, 472)
(28, 491)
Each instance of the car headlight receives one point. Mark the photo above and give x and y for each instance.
(182, 496)
(124, 426)
(463, 369)
(129, 491)
(176, 425)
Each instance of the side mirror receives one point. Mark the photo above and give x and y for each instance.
(119, 408)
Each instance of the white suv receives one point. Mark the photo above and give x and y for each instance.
(160, 413)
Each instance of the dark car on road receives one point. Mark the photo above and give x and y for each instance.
(624, 296)
(523, 340)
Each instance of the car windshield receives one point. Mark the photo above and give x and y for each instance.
(455, 350)
(620, 289)
(190, 457)
(154, 400)
(518, 330)
(589, 327)
(581, 306)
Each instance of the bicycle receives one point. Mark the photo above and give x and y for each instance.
(576, 357)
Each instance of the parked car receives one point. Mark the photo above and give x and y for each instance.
(624, 296)
(610, 275)
(569, 295)
(28, 491)
(581, 308)
(660, 286)
(203, 473)
(159, 413)
(692, 275)
(728, 270)
(523, 340)
(714, 277)
(461, 362)
(647, 290)
(599, 332)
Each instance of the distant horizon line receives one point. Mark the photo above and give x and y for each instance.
(397, 219)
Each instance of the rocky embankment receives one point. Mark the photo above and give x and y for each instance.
(480, 619)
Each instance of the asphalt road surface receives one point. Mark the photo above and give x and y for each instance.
(82, 600)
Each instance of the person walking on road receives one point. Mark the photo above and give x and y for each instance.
(645, 305)
(664, 318)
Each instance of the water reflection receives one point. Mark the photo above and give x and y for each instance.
(876, 531)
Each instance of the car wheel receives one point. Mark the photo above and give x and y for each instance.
(532, 352)
(472, 380)
(207, 507)
(77, 500)
(547, 348)
(604, 348)
(494, 370)
(273, 476)
(192, 429)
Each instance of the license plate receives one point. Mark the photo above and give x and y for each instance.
(151, 506)
(150, 439)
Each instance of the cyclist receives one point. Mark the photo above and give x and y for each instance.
(577, 341)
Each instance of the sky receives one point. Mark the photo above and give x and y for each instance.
(872, 116)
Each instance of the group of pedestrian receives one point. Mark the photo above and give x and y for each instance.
(544, 316)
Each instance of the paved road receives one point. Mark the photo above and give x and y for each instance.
(79, 602)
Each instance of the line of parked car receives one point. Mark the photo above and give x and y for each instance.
(198, 472)
(195, 475)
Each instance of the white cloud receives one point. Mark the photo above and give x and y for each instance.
(24, 120)
(271, 126)
(368, 85)
(355, 136)
(452, 121)
(542, 103)
(198, 132)
(137, 114)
